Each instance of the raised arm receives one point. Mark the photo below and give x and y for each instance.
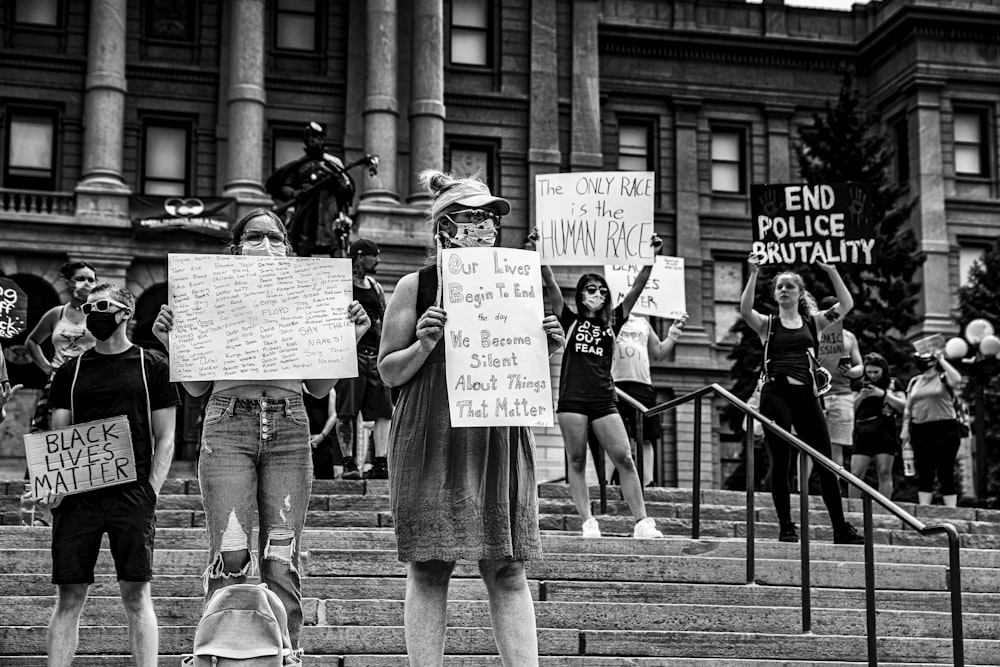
(845, 302)
(659, 349)
(754, 320)
(951, 374)
(640, 280)
(407, 340)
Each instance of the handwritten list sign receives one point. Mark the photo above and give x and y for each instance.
(80, 457)
(805, 224)
(245, 317)
(663, 295)
(496, 353)
(595, 218)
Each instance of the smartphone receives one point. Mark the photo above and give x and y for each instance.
(844, 361)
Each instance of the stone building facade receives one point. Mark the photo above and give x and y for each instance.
(109, 98)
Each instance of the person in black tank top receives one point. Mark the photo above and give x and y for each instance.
(788, 397)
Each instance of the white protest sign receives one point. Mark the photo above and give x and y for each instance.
(929, 344)
(80, 457)
(595, 218)
(246, 317)
(663, 295)
(496, 352)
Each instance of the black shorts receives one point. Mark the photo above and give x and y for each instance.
(593, 410)
(127, 515)
(645, 394)
(366, 393)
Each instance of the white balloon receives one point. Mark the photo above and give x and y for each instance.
(978, 329)
(989, 346)
(956, 348)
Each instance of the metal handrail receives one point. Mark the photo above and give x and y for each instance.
(870, 494)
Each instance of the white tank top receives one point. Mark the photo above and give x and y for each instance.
(631, 360)
(69, 340)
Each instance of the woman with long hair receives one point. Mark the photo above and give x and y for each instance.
(930, 424)
(790, 395)
(587, 390)
(456, 493)
(255, 465)
(876, 405)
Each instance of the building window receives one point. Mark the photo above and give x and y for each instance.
(287, 147)
(634, 141)
(967, 256)
(728, 286)
(171, 20)
(472, 161)
(165, 159)
(37, 12)
(970, 143)
(31, 150)
(728, 161)
(901, 138)
(295, 25)
(470, 33)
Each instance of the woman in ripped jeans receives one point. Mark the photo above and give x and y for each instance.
(255, 452)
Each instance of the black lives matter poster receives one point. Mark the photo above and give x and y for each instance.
(805, 224)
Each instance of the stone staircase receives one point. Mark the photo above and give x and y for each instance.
(609, 602)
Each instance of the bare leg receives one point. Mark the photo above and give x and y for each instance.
(143, 634)
(611, 432)
(64, 626)
(511, 611)
(859, 466)
(425, 613)
(381, 436)
(883, 463)
(574, 432)
(647, 463)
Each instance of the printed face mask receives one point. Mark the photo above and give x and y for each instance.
(102, 325)
(593, 301)
(471, 235)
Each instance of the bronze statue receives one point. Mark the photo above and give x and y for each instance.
(315, 194)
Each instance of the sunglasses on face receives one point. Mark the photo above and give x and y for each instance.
(595, 289)
(101, 306)
(472, 216)
(257, 238)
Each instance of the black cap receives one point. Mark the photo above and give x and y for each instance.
(363, 247)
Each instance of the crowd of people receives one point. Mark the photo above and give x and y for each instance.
(456, 493)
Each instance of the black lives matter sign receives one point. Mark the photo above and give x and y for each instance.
(805, 224)
(80, 457)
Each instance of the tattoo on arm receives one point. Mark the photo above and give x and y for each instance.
(832, 315)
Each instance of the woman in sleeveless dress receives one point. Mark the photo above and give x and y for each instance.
(456, 493)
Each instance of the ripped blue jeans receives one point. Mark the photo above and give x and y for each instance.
(256, 467)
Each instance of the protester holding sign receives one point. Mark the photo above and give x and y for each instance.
(256, 463)
(587, 392)
(457, 493)
(116, 378)
(66, 326)
(930, 424)
(791, 389)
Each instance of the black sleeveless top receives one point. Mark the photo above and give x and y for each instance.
(789, 351)
(370, 300)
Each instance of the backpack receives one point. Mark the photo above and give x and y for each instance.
(243, 625)
(822, 380)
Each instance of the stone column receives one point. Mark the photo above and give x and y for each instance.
(426, 95)
(102, 196)
(931, 223)
(246, 100)
(585, 153)
(381, 104)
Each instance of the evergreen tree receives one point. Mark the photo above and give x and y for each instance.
(981, 298)
(846, 143)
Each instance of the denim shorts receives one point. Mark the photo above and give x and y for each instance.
(127, 514)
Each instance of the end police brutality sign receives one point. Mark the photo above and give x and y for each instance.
(805, 224)
(80, 457)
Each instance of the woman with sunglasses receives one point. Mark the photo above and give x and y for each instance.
(255, 462)
(66, 327)
(788, 396)
(587, 390)
(457, 493)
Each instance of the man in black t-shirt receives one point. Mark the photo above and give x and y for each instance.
(365, 394)
(115, 378)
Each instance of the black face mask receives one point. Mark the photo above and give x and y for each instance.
(926, 364)
(102, 325)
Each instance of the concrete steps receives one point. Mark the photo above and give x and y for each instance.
(614, 601)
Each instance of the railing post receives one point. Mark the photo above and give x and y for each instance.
(696, 489)
(804, 542)
(870, 582)
(955, 583)
(639, 442)
(751, 488)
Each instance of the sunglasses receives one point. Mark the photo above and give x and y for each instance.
(101, 306)
(594, 289)
(257, 238)
(472, 216)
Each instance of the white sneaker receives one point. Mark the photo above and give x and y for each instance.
(590, 528)
(646, 530)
